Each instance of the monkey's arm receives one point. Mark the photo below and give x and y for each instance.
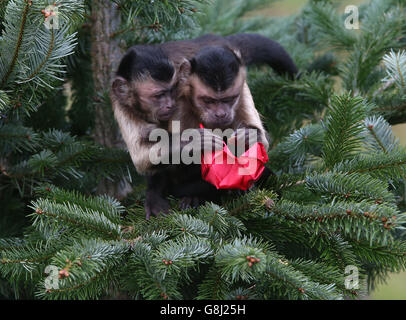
(148, 156)
(248, 116)
(132, 131)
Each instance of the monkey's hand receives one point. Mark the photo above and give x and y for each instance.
(206, 141)
(209, 141)
(244, 138)
(155, 204)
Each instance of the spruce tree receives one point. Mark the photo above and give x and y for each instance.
(334, 204)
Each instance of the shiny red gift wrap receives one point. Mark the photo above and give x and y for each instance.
(225, 171)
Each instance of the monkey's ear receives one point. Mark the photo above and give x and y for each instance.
(127, 63)
(120, 88)
(237, 54)
(185, 70)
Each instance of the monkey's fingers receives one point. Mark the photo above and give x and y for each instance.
(147, 212)
(189, 202)
(156, 205)
(240, 134)
(212, 143)
(185, 203)
(244, 136)
(232, 140)
(195, 202)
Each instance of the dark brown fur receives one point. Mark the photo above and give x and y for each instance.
(135, 122)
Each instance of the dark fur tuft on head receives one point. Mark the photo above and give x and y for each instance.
(142, 59)
(216, 66)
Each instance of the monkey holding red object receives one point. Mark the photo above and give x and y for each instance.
(194, 81)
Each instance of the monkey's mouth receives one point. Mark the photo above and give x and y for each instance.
(165, 116)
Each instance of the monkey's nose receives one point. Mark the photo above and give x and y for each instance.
(220, 115)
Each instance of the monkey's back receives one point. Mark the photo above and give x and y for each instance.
(187, 49)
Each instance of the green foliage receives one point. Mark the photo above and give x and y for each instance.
(31, 55)
(153, 21)
(395, 64)
(343, 126)
(229, 17)
(94, 253)
(90, 264)
(330, 26)
(367, 57)
(55, 156)
(278, 98)
(336, 198)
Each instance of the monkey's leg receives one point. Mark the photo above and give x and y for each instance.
(188, 186)
(186, 181)
(155, 201)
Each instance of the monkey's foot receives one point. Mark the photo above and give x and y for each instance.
(155, 205)
(189, 202)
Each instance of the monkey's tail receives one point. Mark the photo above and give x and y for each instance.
(257, 49)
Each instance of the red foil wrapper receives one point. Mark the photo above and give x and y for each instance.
(225, 171)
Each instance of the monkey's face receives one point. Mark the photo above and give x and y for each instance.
(157, 98)
(215, 108)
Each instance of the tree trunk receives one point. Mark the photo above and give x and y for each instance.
(105, 57)
(106, 54)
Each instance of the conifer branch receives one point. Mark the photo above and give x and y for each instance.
(18, 44)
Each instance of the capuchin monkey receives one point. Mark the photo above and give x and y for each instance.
(143, 98)
(180, 80)
(213, 92)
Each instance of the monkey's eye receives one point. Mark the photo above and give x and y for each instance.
(229, 100)
(160, 95)
(209, 101)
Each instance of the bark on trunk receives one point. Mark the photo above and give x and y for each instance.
(106, 54)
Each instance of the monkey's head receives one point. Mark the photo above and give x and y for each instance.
(215, 82)
(145, 84)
